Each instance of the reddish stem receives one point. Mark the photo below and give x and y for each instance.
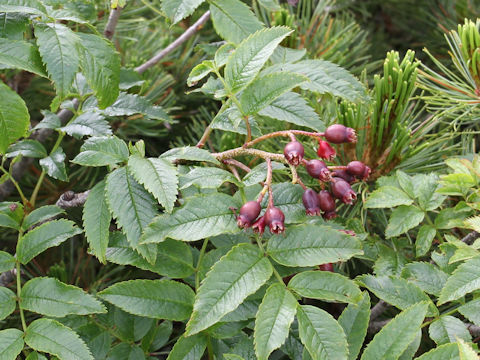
(284, 133)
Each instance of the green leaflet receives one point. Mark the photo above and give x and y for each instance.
(14, 117)
(387, 197)
(250, 56)
(50, 336)
(395, 337)
(7, 302)
(22, 55)
(403, 218)
(293, 108)
(58, 48)
(238, 274)
(321, 334)
(101, 66)
(177, 10)
(200, 217)
(102, 151)
(133, 208)
(158, 299)
(397, 292)
(51, 297)
(174, 258)
(96, 221)
(158, 176)
(444, 352)
(465, 279)
(54, 165)
(354, 321)
(41, 214)
(11, 343)
(320, 245)
(448, 329)
(265, 89)
(325, 285)
(273, 320)
(188, 348)
(45, 236)
(233, 20)
(23, 6)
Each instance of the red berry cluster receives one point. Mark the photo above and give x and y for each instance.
(322, 203)
(273, 218)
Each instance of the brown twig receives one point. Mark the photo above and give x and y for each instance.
(69, 199)
(178, 41)
(237, 164)
(470, 238)
(112, 22)
(284, 133)
(229, 154)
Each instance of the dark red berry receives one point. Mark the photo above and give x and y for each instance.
(325, 150)
(326, 267)
(327, 202)
(259, 225)
(248, 213)
(356, 168)
(343, 191)
(338, 134)
(274, 219)
(318, 170)
(294, 152)
(343, 174)
(366, 173)
(329, 215)
(311, 202)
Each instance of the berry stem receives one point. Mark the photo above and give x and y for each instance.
(284, 133)
(337, 167)
(237, 164)
(253, 152)
(268, 182)
(249, 130)
(295, 178)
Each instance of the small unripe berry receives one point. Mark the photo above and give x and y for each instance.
(343, 174)
(326, 267)
(294, 152)
(327, 203)
(274, 219)
(338, 134)
(311, 202)
(248, 213)
(259, 225)
(329, 215)
(343, 191)
(13, 207)
(318, 170)
(326, 151)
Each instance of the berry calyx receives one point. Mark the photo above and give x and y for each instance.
(248, 213)
(338, 134)
(358, 169)
(325, 150)
(326, 201)
(343, 191)
(259, 225)
(326, 267)
(274, 219)
(329, 215)
(294, 152)
(311, 202)
(318, 170)
(345, 175)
